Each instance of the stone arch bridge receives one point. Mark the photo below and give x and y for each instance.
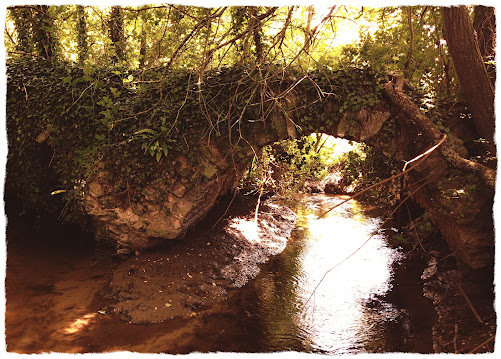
(150, 153)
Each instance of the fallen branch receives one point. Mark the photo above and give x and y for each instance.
(422, 156)
(455, 338)
(482, 344)
(470, 304)
(414, 114)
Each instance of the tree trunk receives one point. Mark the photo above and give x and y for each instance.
(472, 74)
(116, 28)
(408, 60)
(43, 32)
(484, 23)
(256, 34)
(22, 18)
(81, 29)
(142, 48)
(307, 31)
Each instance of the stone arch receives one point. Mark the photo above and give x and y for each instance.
(174, 203)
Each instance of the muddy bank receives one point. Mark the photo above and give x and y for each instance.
(463, 299)
(190, 276)
(464, 302)
(76, 297)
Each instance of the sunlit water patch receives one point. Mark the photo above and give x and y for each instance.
(333, 271)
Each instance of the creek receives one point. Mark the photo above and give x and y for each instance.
(338, 287)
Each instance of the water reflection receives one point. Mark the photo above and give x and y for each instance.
(345, 313)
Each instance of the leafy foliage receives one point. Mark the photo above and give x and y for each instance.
(297, 165)
(287, 166)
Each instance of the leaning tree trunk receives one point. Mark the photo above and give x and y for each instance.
(472, 74)
(429, 130)
(469, 235)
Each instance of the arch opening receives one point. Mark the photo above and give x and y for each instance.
(317, 163)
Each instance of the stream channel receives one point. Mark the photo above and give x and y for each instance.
(368, 301)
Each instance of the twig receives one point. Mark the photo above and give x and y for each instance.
(227, 209)
(481, 345)
(415, 229)
(461, 246)
(470, 304)
(258, 203)
(455, 338)
(427, 153)
(78, 99)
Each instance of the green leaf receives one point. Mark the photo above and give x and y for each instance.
(165, 148)
(158, 156)
(107, 114)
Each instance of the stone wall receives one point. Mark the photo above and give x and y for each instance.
(55, 141)
(170, 205)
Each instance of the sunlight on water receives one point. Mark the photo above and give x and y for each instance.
(335, 318)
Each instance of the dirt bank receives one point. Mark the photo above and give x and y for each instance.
(189, 276)
(75, 297)
(463, 299)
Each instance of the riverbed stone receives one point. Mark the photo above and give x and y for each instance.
(179, 189)
(95, 189)
(183, 167)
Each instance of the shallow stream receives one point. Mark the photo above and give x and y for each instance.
(332, 290)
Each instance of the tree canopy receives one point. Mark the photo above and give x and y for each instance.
(407, 40)
(434, 49)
